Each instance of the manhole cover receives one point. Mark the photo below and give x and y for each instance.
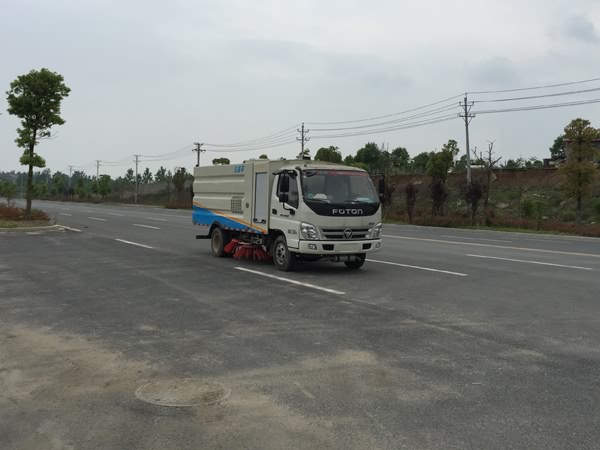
(183, 392)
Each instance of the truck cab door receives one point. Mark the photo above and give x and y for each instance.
(285, 201)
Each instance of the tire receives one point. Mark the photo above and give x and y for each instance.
(282, 257)
(218, 240)
(357, 263)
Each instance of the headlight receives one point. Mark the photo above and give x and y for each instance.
(309, 232)
(375, 231)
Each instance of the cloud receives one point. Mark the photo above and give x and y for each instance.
(581, 28)
(497, 71)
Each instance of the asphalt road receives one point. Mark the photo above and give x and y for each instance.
(446, 339)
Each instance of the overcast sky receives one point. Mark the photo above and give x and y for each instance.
(152, 77)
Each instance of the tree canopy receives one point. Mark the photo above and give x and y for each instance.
(331, 154)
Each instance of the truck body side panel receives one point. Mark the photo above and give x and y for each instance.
(220, 197)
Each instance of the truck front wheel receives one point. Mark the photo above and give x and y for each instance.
(356, 263)
(282, 257)
(218, 240)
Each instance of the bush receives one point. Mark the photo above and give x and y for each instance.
(18, 214)
(596, 206)
(527, 207)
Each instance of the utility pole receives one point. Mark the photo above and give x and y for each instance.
(70, 172)
(467, 116)
(137, 160)
(97, 169)
(199, 150)
(303, 139)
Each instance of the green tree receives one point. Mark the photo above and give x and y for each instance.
(331, 154)
(59, 184)
(557, 151)
(534, 163)
(104, 186)
(8, 190)
(371, 157)
(40, 189)
(421, 162)
(160, 175)
(579, 170)
(400, 158)
(221, 161)
(35, 98)
(518, 163)
(440, 164)
(179, 179)
(147, 176)
(263, 156)
(168, 180)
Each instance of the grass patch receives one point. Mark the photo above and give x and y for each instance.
(8, 224)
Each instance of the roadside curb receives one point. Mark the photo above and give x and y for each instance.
(41, 228)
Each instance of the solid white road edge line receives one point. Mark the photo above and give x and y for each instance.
(287, 280)
(475, 239)
(428, 269)
(156, 218)
(531, 262)
(133, 243)
(99, 219)
(145, 226)
(475, 244)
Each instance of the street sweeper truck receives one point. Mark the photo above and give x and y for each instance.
(288, 210)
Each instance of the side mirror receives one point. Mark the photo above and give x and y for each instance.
(283, 197)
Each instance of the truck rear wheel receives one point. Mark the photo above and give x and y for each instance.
(282, 257)
(218, 240)
(356, 263)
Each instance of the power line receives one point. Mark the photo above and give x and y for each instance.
(534, 107)
(454, 97)
(531, 97)
(253, 148)
(388, 129)
(547, 86)
(389, 122)
(286, 131)
(181, 150)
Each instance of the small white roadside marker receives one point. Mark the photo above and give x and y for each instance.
(70, 229)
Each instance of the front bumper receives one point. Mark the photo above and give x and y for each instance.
(338, 247)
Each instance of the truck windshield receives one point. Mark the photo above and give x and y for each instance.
(338, 186)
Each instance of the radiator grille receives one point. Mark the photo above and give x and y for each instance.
(339, 235)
